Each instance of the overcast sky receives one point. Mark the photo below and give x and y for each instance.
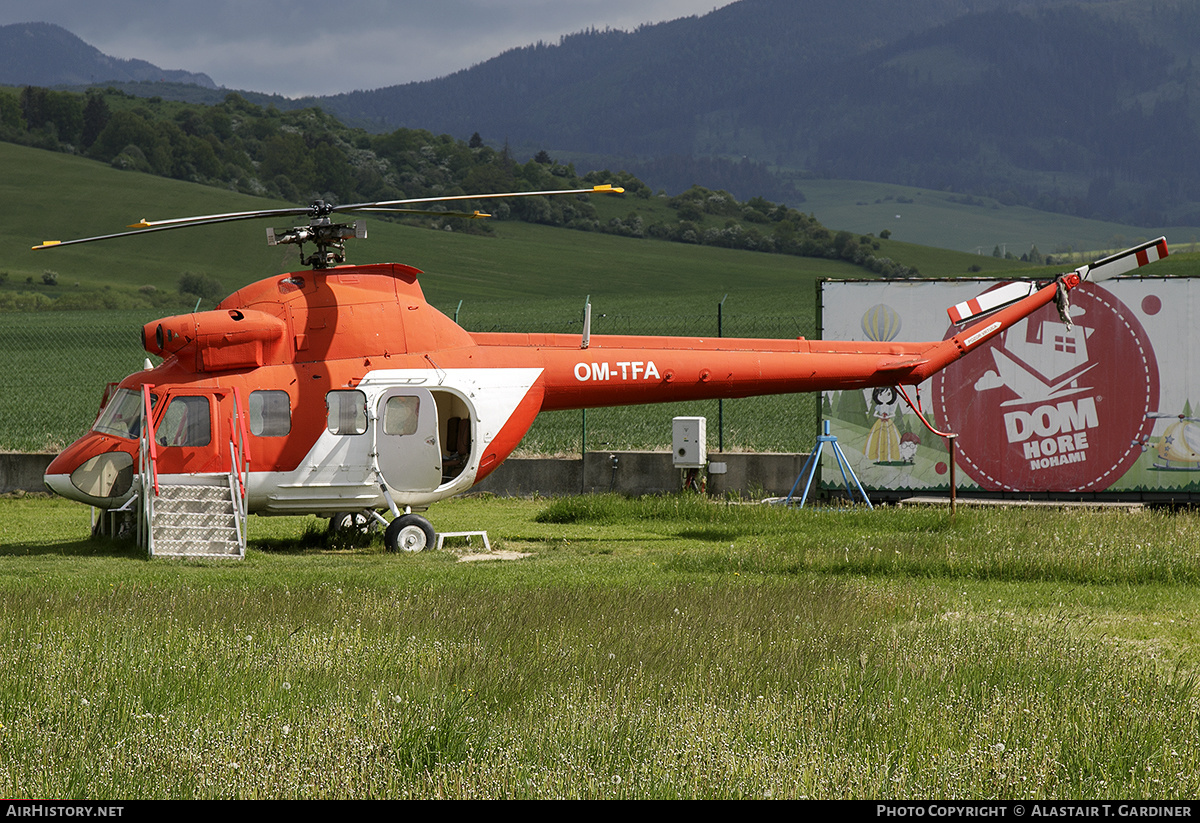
(302, 47)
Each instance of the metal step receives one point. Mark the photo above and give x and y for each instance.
(195, 521)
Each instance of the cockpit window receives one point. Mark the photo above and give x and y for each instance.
(122, 417)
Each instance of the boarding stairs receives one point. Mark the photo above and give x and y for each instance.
(199, 519)
(202, 517)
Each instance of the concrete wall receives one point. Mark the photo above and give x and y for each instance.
(635, 473)
(23, 472)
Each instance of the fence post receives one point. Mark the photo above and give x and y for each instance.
(720, 400)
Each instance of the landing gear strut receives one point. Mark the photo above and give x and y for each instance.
(409, 533)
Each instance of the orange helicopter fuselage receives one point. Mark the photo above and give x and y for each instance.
(352, 387)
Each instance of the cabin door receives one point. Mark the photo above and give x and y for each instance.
(406, 440)
(190, 432)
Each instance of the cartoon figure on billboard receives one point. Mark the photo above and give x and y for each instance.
(883, 441)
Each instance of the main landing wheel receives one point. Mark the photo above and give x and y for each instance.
(409, 533)
(353, 522)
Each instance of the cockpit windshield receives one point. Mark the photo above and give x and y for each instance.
(122, 417)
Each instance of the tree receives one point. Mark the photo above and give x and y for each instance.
(125, 128)
(10, 112)
(203, 286)
(95, 118)
(33, 107)
(286, 153)
(852, 407)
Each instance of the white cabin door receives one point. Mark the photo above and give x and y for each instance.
(406, 440)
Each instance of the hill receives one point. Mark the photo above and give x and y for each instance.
(499, 275)
(306, 155)
(42, 54)
(504, 270)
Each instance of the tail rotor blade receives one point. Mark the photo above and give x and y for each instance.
(1103, 269)
(991, 301)
(1124, 261)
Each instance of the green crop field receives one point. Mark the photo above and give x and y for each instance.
(661, 648)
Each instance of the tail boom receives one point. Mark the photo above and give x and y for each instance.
(618, 370)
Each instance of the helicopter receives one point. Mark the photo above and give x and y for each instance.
(339, 391)
(1177, 449)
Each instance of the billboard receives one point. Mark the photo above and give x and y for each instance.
(1104, 404)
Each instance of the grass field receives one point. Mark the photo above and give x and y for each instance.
(659, 648)
(947, 220)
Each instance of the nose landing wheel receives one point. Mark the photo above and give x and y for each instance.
(409, 533)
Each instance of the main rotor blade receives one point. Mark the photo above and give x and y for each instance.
(146, 227)
(474, 215)
(51, 244)
(218, 218)
(602, 189)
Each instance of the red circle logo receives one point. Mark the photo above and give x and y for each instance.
(1045, 408)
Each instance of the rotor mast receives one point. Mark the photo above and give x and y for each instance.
(329, 237)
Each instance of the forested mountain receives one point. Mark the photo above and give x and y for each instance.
(1083, 106)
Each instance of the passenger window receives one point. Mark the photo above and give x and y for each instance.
(186, 422)
(347, 412)
(270, 413)
(400, 415)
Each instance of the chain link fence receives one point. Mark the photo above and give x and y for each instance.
(56, 366)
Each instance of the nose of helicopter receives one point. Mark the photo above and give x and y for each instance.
(93, 470)
(58, 482)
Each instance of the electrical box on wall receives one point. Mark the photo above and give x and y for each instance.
(688, 442)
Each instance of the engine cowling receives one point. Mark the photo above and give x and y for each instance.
(219, 340)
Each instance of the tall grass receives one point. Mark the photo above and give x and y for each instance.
(665, 647)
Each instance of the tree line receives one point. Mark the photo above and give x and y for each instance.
(306, 154)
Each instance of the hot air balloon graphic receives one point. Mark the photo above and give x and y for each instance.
(881, 323)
